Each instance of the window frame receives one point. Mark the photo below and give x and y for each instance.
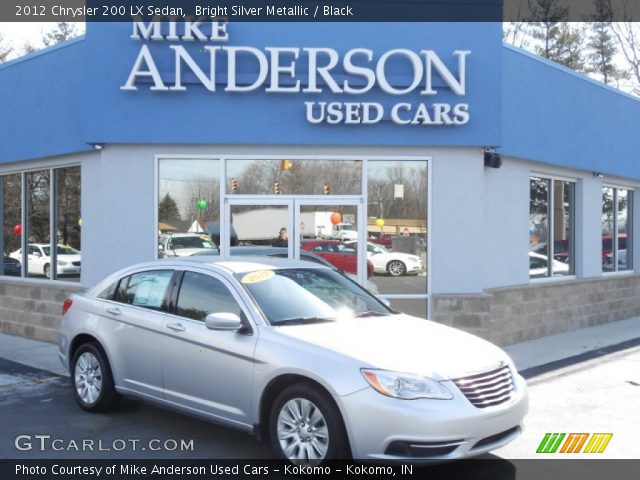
(52, 166)
(630, 233)
(573, 209)
(249, 310)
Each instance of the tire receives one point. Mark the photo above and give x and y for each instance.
(91, 379)
(327, 438)
(47, 270)
(396, 268)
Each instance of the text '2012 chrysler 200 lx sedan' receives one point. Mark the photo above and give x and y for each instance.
(295, 353)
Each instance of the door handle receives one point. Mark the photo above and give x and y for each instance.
(176, 327)
(114, 311)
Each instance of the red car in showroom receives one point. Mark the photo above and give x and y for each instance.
(339, 254)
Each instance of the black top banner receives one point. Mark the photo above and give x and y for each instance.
(319, 11)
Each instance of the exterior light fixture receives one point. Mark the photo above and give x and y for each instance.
(491, 158)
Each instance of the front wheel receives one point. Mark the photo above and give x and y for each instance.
(305, 426)
(396, 268)
(91, 379)
(47, 271)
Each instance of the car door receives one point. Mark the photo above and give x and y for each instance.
(133, 336)
(208, 371)
(36, 259)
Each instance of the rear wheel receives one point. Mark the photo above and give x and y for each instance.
(396, 268)
(91, 379)
(305, 426)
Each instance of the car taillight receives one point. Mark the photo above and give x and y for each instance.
(66, 305)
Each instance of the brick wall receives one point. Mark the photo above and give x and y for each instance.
(515, 314)
(31, 309)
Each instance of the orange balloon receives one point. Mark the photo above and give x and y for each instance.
(336, 218)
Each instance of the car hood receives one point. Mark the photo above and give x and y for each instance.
(401, 256)
(187, 252)
(403, 343)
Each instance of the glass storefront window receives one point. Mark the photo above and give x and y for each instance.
(11, 224)
(617, 241)
(294, 177)
(397, 225)
(68, 223)
(38, 224)
(188, 206)
(551, 228)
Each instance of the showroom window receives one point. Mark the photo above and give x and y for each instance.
(617, 208)
(188, 205)
(40, 209)
(551, 228)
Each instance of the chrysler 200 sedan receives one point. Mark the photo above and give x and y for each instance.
(294, 353)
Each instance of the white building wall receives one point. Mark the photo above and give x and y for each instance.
(457, 221)
(506, 225)
(118, 201)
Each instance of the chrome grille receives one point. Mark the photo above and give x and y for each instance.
(488, 388)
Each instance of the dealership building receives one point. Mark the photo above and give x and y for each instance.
(509, 178)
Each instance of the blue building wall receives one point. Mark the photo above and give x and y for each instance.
(199, 116)
(554, 115)
(42, 104)
(63, 99)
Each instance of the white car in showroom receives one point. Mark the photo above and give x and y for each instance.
(293, 352)
(395, 264)
(185, 245)
(39, 260)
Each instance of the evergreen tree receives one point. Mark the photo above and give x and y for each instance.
(602, 45)
(168, 209)
(559, 40)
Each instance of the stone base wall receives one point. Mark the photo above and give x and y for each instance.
(515, 314)
(32, 309)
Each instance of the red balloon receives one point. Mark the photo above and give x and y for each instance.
(336, 218)
(17, 229)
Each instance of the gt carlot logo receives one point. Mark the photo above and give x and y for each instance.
(574, 443)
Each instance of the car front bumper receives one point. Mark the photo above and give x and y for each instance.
(390, 429)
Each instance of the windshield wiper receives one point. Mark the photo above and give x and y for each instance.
(371, 313)
(303, 320)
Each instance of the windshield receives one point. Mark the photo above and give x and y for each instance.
(346, 226)
(292, 295)
(62, 250)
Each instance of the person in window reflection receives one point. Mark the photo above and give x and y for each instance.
(282, 240)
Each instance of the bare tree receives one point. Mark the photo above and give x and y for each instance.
(5, 50)
(628, 35)
(61, 32)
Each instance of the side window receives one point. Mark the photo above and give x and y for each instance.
(145, 289)
(201, 295)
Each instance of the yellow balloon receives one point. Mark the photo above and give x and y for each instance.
(80, 222)
(380, 223)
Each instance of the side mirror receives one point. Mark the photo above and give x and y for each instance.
(223, 321)
(37, 254)
(161, 248)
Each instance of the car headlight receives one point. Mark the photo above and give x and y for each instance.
(61, 262)
(405, 385)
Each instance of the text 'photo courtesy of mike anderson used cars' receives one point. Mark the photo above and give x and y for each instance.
(297, 354)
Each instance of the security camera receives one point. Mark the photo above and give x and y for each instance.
(491, 158)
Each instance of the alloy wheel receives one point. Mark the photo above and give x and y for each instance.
(302, 432)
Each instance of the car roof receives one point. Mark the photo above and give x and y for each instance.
(235, 264)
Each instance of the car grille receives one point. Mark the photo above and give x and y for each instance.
(488, 388)
(75, 264)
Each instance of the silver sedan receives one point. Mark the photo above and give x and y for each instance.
(294, 353)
